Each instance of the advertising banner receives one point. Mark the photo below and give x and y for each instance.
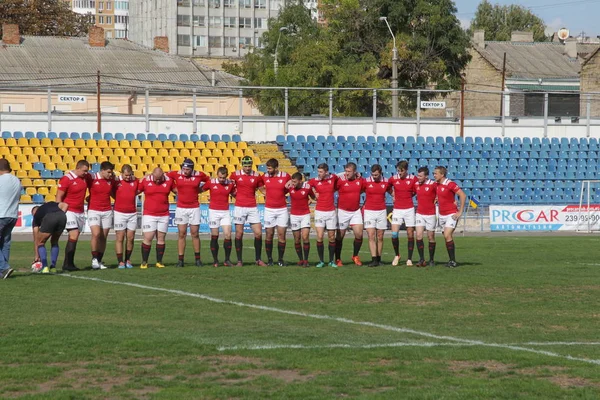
(545, 218)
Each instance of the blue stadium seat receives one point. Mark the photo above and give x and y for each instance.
(37, 198)
(40, 135)
(401, 140)
(130, 136)
(194, 137)
(57, 174)
(108, 136)
(204, 137)
(236, 138)
(61, 135)
(224, 137)
(29, 135)
(162, 137)
(141, 137)
(215, 137)
(95, 136)
(45, 174)
(119, 136)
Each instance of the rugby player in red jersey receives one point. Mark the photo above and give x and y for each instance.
(375, 212)
(404, 210)
(450, 213)
(276, 212)
(247, 182)
(100, 212)
(220, 190)
(72, 189)
(349, 187)
(325, 215)
(125, 194)
(155, 217)
(300, 195)
(426, 219)
(188, 183)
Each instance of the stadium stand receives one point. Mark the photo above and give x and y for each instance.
(493, 170)
(40, 159)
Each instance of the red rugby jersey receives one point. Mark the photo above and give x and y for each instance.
(100, 191)
(275, 189)
(75, 189)
(404, 190)
(426, 195)
(299, 198)
(325, 189)
(188, 188)
(246, 185)
(219, 193)
(125, 196)
(156, 196)
(349, 192)
(446, 193)
(375, 193)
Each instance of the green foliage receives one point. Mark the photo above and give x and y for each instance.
(499, 21)
(354, 49)
(44, 17)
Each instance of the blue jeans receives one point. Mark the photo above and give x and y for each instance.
(6, 227)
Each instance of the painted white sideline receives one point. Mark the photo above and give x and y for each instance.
(338, 319)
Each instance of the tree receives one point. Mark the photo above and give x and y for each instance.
(499, 21)
(353, 50)
(44, 17)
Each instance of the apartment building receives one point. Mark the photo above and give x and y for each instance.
(112, 15)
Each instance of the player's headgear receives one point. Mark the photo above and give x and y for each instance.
(187, 163)
(247, 161)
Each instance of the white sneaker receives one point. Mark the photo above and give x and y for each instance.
(102, 266)
(409, 263)
(95, 264)
(396, 261)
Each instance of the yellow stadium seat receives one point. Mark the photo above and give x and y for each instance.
(167, 144)
(16, 151)
(30, 191)
(26, 182)
(68, 143)
(33, 173)
(27, 150)
(85, 152)
(175, 167)
(10, 159)
(33, 158)
(212, 161)
(62, 166)
(22, 142)
(49, 197)
(158, 160)
(249, 152)
(138, 173)
(223, 161)
(152, 152)
(103, 144)
(11, 142)
(4, 151)
(260, 199)
(200, 145)
(96, 151)
(53, 190)
(190, 145)
(43, 191)
(157, 144)
(204, 197)
(135, 144)
(40, 151)
(50, 151)
(242, 145)
(232, 145)
(125, 160)
(146, 144)
(21, 174)
(148, 160)
(174, 152)
(50, 182)
(131, 152)
(217, 153)
(102, 158)
(113, 159)
(211, 145)
(208, 169)
(34, 142)
(136, 160)
(25, 198)
(163, 152)
(91, 143)
(165, 167)
(169, 160)
(184, 153)
(26, 166)
(227, 153)
(21, 158)
(38, 182)
(124, 144)
(178, 144)
(68, 159)
(91, 159)
(2, 142)
(50, 165)
(195, 153)
(207, 153)
(230, 168)
(80, 143)
(257, 161)
(238, 153)
(118, 152)
(141, 152)
(202, 160)
(113, 144)
(221, 145)
(62, 151)
(45, 142)
(74, 152)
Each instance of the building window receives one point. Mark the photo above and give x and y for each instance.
(229, 3)
(101, 5)
(245, 42)
(245, 22)
(199, 41)
(230, 41)
(214, 22)
(275, 5)
(120, 33)
(260, 23)
(183, 3)
(92, 4)
(108, 5)
(245, 3)
(199, 3)
(183, 40)
(230, 22)
(258, 43)
(260, 3)
(109, 34)
(199, 20)
(183, 20)
(214, 3)
(109, 20)
(101, 19)
(214, 41)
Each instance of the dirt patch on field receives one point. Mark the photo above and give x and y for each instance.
(491, 366)
(565, 381)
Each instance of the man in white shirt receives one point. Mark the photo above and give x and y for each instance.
(10, 194)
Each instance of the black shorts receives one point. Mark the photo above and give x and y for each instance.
(54, 222)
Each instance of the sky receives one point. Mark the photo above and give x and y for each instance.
(575, 15)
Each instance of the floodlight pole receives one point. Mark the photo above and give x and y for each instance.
(394, 70)
(275, 62)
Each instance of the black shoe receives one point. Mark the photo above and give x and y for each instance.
(179, 264)
(452, 264)
(373, 264)
(70, 268)
(199, 263)
(282, 263)
(6, 274)
(270, 263)
(227, 263)
(431, 263)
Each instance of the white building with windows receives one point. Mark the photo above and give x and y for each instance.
(203, 28)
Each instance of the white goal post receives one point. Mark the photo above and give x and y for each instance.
(588, 217)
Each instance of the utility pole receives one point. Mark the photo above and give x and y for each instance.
(462, 106)
(98, 112)
(394, 70)
(503, 80)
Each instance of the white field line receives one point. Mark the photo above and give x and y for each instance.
(339, 319)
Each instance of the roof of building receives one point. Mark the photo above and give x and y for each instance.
(70, 62)
(531, 59)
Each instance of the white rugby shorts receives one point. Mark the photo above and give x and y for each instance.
(242, 215)
(446, 221)
(103, 219)
(75, 221)
(125, 221)
(428, 221)
(375, 219)
(300, 221)
(326, 219)
(218, 218)
(151, 223)
(276, 217)
(185, 216)
(348, 218)
(403, 215)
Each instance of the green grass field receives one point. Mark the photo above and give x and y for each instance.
(518, 319)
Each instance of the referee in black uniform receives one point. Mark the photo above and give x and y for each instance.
(49, 221)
